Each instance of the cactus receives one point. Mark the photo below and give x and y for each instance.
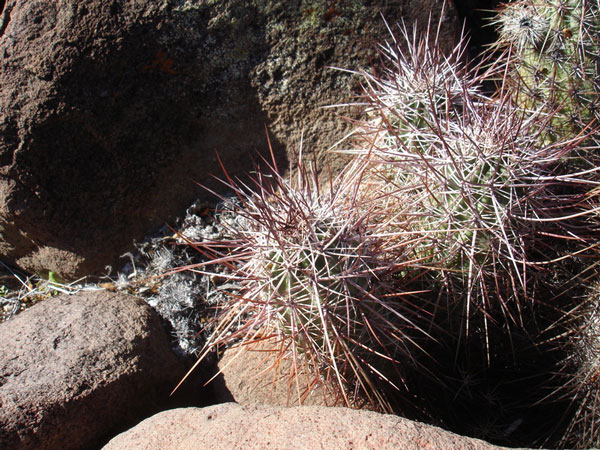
(553, 54)
(316, 275)
(460, 208)
(552, 57)
(490, 194)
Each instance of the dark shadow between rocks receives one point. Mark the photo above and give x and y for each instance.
(192, 393)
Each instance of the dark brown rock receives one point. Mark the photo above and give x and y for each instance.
(109, 110)
(74, 368)
(230, 426)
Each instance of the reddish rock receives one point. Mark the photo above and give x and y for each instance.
(231, 426)
(256, 376)
(74, 369)
(109, 110)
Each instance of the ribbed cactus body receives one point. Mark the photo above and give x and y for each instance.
(461, 159)
(554, 60)
(323, 271)
(318, 275)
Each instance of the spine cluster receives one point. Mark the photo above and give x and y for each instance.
(554, 48)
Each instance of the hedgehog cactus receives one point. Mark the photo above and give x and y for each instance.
(418, 87)
(435, 138)
(486, 186)
(317, 276)
(327, 266)
(553, 55)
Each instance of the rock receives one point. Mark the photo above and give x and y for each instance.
(255, 376)
(76, 368)
(229, 426)
(110, 110)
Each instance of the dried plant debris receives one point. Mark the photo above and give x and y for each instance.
(182, 299)
(19, 291)
(155, 271)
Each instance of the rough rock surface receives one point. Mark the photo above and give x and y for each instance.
(256, 377)
(76, 368)
(109, 110)
(229, 426)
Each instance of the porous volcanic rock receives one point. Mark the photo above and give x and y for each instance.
(110, 109)
(76, 368)
(231, 426)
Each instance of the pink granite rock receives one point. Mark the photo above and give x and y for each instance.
(231, 426)
(255, 376)
(74, 370)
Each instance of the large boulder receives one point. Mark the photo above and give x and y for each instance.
(75, 370)
(110, 110)
(229, 426)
